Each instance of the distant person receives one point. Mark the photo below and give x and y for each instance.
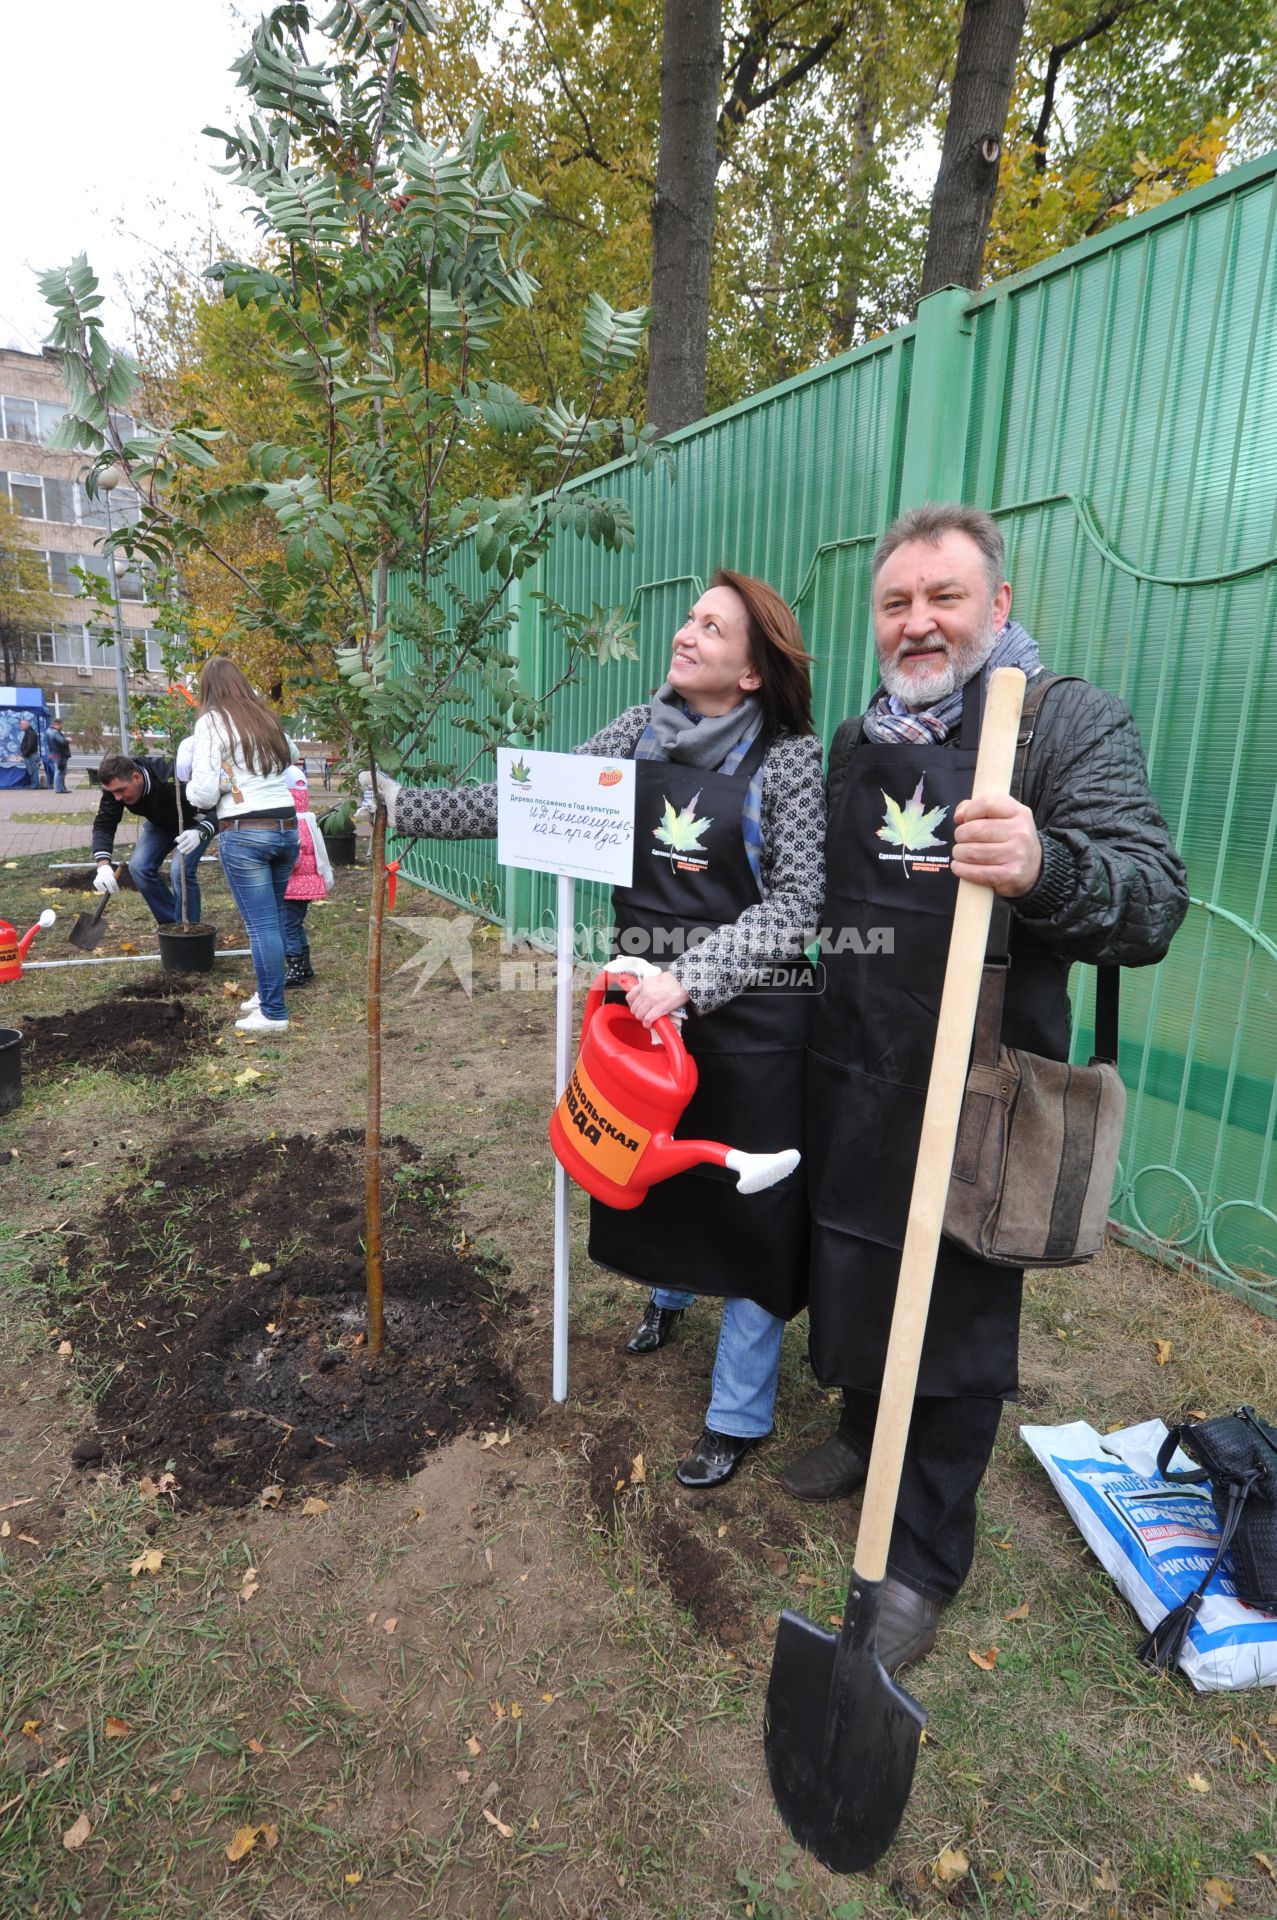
(29, 748)
(57, 751)
(310, 880)
(147, 786)
(240, 756)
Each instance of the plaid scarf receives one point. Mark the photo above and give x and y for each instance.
(889, 722)
(655, 744)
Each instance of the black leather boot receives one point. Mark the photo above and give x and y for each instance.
(654, 1329)
(828, 1472)
(906, 1625)
(713, 1459)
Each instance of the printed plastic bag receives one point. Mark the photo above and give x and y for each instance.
(1157, 1540)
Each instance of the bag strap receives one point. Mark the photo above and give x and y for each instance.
(997, 959)
(1164, 1644)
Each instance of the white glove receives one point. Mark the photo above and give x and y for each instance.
(389, 792)
(104, 880)
(187, 841)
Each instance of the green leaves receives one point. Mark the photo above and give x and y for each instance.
(611, 340)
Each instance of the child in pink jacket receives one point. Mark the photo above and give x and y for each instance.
(310, 880)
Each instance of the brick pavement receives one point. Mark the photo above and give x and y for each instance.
(18, 835)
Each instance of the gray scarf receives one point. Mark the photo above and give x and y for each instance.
(696, 739)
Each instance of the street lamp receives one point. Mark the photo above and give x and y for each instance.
(108, 480)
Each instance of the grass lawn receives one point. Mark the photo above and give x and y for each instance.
(526, 1678)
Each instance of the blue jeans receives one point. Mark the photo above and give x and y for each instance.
(296, 945)
(59, 776)
(31, 766)
(746, 1365)
(257, 862)
(146, 870)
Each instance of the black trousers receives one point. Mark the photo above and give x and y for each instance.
(949, 1447)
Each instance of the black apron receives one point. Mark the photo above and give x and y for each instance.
(696, 1231)
(890, 910)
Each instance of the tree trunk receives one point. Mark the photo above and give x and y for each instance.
(683, 211)
(852, 270)
(962, 204)
(372, 1129)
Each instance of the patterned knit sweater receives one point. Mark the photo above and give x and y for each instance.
(792, 879)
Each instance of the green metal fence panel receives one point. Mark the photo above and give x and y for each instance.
(1114, 409)
(1121, 429)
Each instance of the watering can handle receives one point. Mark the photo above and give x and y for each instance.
(618, 973)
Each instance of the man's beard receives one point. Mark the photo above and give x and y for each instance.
(961, 664)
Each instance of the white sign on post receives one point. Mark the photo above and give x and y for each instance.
(570, 814)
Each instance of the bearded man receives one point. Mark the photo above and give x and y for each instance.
(1086, 864)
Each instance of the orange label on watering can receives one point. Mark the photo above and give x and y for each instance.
(603, 1136)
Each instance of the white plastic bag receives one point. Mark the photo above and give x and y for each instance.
(1157, 1540)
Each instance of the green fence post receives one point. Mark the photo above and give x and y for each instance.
(934, 458)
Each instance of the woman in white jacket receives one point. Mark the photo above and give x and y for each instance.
(240, 754)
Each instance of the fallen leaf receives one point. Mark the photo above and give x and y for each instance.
(548, 1698)
(270, 1496)
(488, 1439)
(254, 1746)
(507, 1833)
(1265, 1865)
(985, 1661)
(65, 1349)
(29, 1538)
(152, 1489)
(1163, 1351)
(389, 1624)
(31, 1728)
(249, 1584)
(1003, 1546)
(247, 1078)
(722, 1531)
(1106, 1880)
(473, 1747)
(258, 1268)
(953, 1864)
(516, 1711)
(246, 1839)
(149, 1562)
(463, 1775)
(1019, 1613)
(76, 1834)
(1197, 1782)
(638, 1471)
(498, 1711)
(126, 946)
(313, 1504)
(116, 1729)
(1217, 1894)
(353, 1879)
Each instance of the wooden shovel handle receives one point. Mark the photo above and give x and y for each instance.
(945, 1089)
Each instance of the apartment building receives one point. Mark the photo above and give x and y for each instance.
(67, 528)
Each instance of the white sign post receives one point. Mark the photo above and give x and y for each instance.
(572, 815)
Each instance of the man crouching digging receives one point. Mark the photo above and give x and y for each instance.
(1088, 868)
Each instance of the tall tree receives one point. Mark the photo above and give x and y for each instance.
(962, 204)
(390, 260)
(683, 210)
(27, 606)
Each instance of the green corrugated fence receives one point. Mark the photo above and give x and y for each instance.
(1116, 409)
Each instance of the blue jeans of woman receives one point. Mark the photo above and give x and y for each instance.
(296, 945)
(746, 1365)
(257, 862)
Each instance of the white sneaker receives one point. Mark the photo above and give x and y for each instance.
(251, 1005)
(256, 1022)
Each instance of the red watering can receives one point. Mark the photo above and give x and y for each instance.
(14, 951)
(612, 1128)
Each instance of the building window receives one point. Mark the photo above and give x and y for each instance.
(26, 490)
(20, 419)
(52, 414)
(154, 658)
(65, 648)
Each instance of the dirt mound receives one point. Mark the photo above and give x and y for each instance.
(81, 881)
(138, 1036)
(669, 1531)
(228, 1293)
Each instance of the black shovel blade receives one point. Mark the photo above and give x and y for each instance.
(88, 928)
(841, 1737)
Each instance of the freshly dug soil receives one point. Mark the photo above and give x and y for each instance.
(82, 882)
(150, 1036)
(227, 1290)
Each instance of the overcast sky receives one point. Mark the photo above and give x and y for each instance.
(104, 154)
